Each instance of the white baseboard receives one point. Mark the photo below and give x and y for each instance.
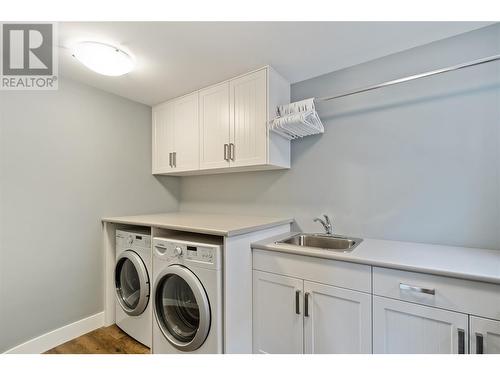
(59, 336)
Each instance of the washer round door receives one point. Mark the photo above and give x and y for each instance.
(131, 283)
(182, 308)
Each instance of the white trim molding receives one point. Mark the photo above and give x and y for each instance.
(59, 336)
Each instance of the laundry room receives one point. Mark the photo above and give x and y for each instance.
(188, 182)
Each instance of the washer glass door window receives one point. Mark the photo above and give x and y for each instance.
(132, 283)
(182, 309)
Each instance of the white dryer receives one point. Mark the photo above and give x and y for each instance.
(187, 295)
(132, 284)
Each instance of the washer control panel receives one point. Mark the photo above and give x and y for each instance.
(186, 252)
(200, 253)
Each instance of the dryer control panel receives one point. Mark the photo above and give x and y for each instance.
(132, 240)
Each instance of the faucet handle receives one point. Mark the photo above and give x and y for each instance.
(327, 224)
(327, 219)
(320, 220)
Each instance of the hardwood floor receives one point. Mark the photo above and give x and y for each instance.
(106, 340)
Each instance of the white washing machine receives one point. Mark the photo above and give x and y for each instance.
(187, 295)
(132, 284)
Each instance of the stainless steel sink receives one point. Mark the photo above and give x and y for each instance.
(323, 241)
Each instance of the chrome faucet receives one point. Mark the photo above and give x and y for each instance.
(327, 224)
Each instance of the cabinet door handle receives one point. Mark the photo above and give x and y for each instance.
(231, 151)
(174, 159)
(170, 159)
(226, 148)
(297, 302)
(306, 304)
(461, 341)
(479, 343)
(416, 289)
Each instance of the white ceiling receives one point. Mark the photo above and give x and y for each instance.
(176, 58)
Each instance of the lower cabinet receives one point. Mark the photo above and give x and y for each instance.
(484, 336)
(408, 328)
(292, 315)
(353, 308)
(277, 314)
(336, 320)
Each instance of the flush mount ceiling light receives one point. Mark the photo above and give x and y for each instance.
(103, 58)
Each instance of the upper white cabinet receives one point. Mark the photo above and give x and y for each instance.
(175, 129)
(163, 137)
(248, 114)
(186, 132)
(232, 128)
(214, 127)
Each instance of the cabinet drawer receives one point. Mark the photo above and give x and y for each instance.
(471, 297)
(337, 273)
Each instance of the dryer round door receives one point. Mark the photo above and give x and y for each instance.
(182, 308)
(131, 283)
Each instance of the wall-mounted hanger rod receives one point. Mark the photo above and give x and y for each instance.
(411, 78)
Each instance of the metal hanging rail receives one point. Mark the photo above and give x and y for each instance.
(411, 78)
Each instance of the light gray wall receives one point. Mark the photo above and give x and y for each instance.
(418, 162)
(67, 158)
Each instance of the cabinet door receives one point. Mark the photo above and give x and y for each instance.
(336, 320)
(277, 314)
(248, 96)
(402, 327)
(214, 126)
(484, 336)
(163, 137)
(186, 137)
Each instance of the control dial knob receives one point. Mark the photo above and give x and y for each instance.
(130, 240)
(178, 251)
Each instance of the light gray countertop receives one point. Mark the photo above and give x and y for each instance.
(460, 262)
(215, 224)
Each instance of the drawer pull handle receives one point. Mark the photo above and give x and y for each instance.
(461, 341)
(297, 302)
(418, 289)
(479, 343)
(306, 304)
(231, 151)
